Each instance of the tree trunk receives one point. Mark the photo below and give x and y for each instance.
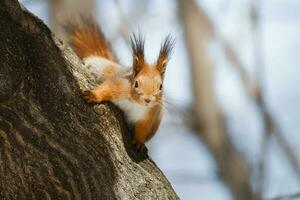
(52, 144)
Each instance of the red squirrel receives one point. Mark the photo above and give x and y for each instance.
(139, 92)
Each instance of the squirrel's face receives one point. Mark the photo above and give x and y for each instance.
(146, 86)
(147, 80)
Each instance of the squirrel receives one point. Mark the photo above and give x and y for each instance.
(138, 92)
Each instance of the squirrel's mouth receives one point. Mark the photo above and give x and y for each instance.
(151, 104)
(145, 103)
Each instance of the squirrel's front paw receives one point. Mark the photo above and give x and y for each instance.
(139, 146)
(89, 97)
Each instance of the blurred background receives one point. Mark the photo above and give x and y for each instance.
(231, 129)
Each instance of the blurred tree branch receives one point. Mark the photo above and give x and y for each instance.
(233, 169)
(254, 89)
(254, 92)
(259, 64)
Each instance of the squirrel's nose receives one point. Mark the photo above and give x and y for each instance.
(147, 100)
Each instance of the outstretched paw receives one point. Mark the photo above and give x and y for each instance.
(89, 97)
(139, 146)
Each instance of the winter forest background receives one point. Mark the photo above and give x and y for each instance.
(232, 88)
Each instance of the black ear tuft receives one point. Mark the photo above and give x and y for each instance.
(165, 53)
(137, 42)
(167, 46)
(138, 45)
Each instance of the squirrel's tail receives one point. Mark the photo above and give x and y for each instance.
(87, 39)
(89, 43)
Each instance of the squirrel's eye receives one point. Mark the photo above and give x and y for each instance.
(160, 86)
(136, 84)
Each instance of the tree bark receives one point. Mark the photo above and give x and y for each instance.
(52, 144)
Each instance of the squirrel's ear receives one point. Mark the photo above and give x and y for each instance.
(137, 45)
(164, 54)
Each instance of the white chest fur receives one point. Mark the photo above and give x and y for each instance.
(133, 111)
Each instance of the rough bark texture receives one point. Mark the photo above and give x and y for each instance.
(52, 144)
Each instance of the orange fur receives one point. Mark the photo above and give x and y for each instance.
(109, 90)
(142, 92)
(87, 39)
(146, 128)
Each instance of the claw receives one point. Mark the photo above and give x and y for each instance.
(89, 97)
(139, 146)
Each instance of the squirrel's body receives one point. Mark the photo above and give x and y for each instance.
(137, 92)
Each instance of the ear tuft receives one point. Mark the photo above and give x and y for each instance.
(137, 45)
(165, 53)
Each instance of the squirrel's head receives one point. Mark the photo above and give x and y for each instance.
(147, 79)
